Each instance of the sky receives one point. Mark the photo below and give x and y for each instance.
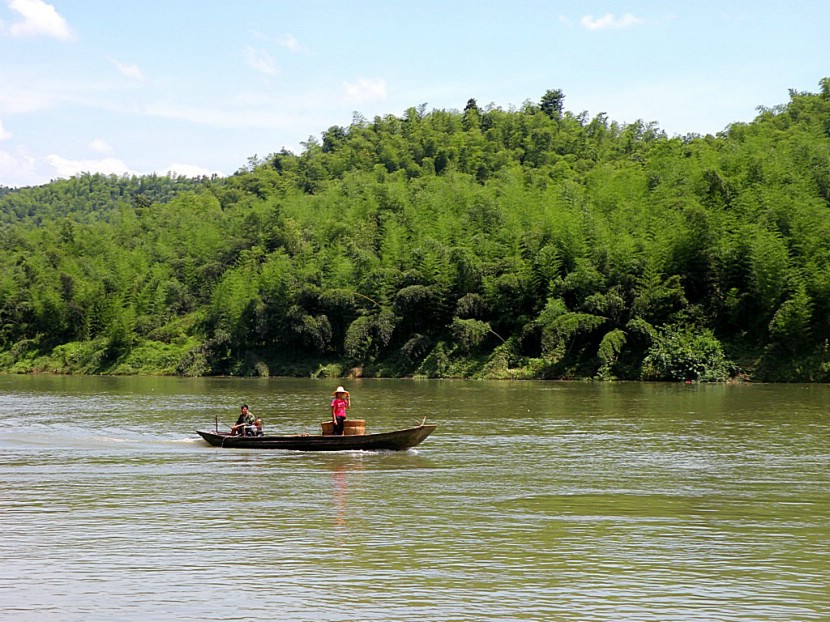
(201, 87)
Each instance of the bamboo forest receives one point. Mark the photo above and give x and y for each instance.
(481, 242)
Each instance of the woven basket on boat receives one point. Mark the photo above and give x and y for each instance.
(351, 427)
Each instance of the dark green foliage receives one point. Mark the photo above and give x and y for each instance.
(469, 334)
(610, 348)
(484, 242)
(686, 354)
(91, 197)
(552, 103)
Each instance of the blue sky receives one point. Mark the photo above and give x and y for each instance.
(199, 87)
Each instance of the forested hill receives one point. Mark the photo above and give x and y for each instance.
(87, 197)
(528, 243)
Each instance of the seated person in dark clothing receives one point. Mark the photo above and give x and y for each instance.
(244, 423)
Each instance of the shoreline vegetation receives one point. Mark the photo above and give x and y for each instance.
(529, 243)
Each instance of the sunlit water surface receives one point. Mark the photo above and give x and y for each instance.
(532, 501)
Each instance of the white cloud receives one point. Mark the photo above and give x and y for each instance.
(128, 70)
(13, 168)
(287, 41)
(192, 170)
(610, 22)
(39, 18)
(4, 133)
(68, 168)
(261, 61)
(365, 90)
(290, 42)
(18, 168)
(19, 98)
(99, 145)
(213, 117)
(244, 112)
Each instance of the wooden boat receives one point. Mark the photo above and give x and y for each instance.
(395, 440)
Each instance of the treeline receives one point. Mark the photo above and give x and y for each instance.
(90, 197)
(521, 243)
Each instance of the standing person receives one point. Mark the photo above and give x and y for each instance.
(339, 404)
(244, 421)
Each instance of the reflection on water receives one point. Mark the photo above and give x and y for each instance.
(340, 492)
(532, 501)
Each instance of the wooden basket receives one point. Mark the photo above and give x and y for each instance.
(351, 427)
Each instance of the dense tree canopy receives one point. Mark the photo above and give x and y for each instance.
(529, 243)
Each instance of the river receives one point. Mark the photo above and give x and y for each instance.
(572, 502)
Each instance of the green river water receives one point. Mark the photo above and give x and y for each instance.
(570, 502)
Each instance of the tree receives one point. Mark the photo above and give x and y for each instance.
(552, 103)
(686, 353)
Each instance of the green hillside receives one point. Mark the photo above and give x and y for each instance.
(526, 243)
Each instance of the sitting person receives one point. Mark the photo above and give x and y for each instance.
(257, 429)
(244, 423)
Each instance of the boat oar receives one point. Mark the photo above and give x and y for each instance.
(224, 425)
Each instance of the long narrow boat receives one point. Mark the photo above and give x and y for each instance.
(395, 440)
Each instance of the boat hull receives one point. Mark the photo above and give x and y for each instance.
(397, 440)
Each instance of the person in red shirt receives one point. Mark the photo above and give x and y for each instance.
(339, 404)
